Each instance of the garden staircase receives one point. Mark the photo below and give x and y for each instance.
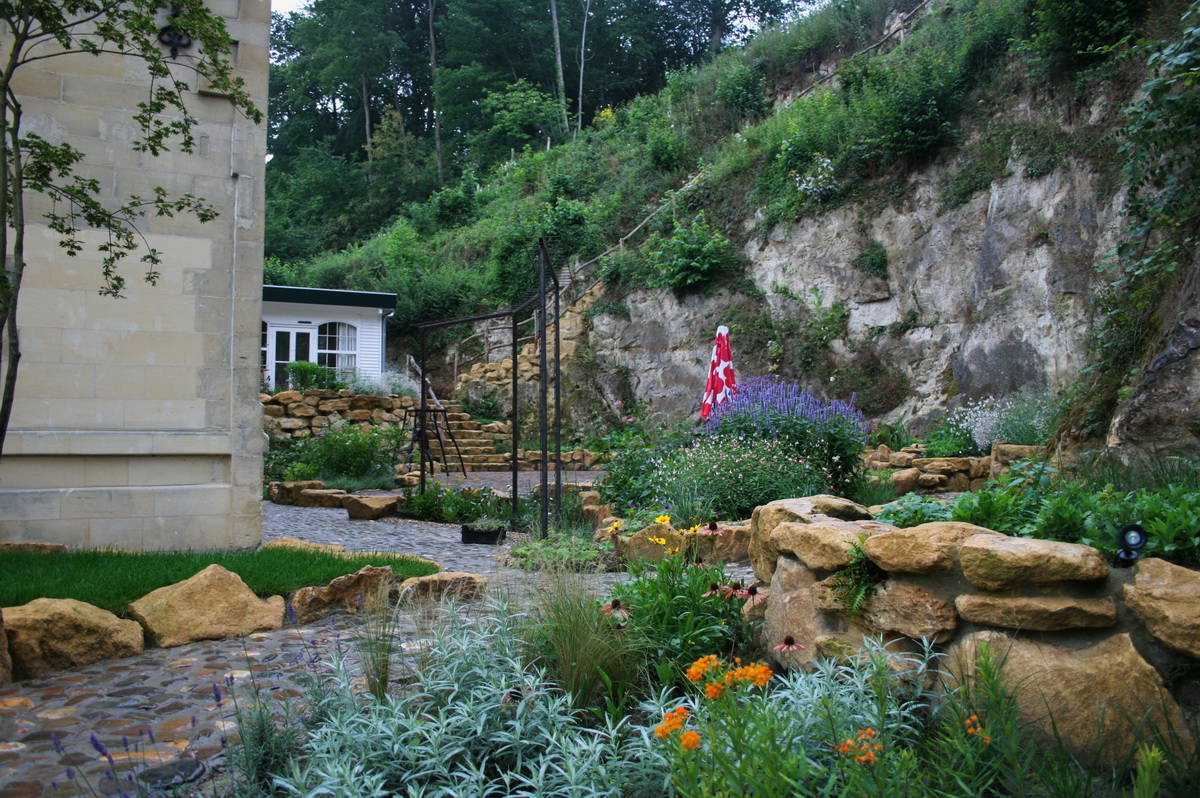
(476, 446)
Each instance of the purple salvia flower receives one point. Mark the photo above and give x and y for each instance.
(58, 746)
(99, 746)
(70, 774)
(217, 693)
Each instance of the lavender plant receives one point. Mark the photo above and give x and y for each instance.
(829, 434)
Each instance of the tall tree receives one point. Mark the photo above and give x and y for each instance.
(560, 84)
(32, 31)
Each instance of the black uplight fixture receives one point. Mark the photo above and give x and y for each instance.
(1130, 540)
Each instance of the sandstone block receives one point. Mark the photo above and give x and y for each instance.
(369, 508)
(1008, 453)
(932, 481)
(980, 467)
(353, 593)
(264, 397)
(1106, 689)
(5, 659)
(212, 605)
(792, 612)
(997, 562)
(334, 405)
(357, 415)
(33, 545)
(822, 546)
(287, 397)
(1038, 613)
(901, 459)
(320, 498)
(920, 549)
(275, 411)
(958, 483)
(804, 510)
(457, 585)
(311, 400)
(48, 634)
(292, 424)
(911, 611)
(301, 410)
(942, 465)
(289, 492)
(1166, 598)
(732, 545)
(364, 402)
(906, 480)
(296, 543)
(639, 546)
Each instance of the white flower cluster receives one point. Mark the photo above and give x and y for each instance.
(1023, 418)
(819, 182)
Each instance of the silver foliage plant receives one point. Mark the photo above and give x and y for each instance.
(478, 721)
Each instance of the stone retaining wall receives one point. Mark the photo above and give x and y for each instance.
(297, 414)
(1073, 632)
(911, 471)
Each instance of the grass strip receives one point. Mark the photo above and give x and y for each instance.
(112, 579)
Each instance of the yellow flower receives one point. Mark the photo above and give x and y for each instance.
(663, 519)
(659, 541)
(692, 530)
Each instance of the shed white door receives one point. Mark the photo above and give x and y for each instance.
(286, 345)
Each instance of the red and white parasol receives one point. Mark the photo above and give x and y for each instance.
(721, 383)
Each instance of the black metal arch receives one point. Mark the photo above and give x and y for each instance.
(546, 276)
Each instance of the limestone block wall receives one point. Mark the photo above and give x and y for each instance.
(910, 471)
(1072, 630)
(298, 414)
(135, 422)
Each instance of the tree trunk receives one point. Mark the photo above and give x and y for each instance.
(587, 7)
(437, 120)
(366, 100)
(562, 86)
(14, 196)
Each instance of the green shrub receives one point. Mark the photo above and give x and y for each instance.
(679, 610)
(873, 260)
(1074, 33)
(347, 450)
(692, 256)
(302, 375)
(740, 89)
(913, 510)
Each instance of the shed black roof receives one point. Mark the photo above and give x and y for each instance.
(328, 296)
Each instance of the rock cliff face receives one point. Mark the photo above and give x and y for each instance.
(982, 300)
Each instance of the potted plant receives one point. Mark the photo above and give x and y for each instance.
(488, 531)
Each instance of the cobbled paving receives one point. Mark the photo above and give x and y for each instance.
(166, 716)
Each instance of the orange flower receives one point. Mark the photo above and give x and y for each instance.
(702, 666)
(713, 690)
(690, 740)
(672, 721)
(757, 674)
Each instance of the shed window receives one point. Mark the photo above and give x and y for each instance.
(337, 347)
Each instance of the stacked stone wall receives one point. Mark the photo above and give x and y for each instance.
(297, 414)
(910, 471)
(1072, 631)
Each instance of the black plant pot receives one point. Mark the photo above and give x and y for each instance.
(490, 536)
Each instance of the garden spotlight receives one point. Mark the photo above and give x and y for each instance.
(1130, 540)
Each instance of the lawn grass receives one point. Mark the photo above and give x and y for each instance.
(112, 579)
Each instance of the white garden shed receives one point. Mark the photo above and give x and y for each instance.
(344, 330)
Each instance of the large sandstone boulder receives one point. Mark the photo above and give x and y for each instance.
(457, 585)
(824, 545)
(805, 510)
(5, 659)
(942, 465)
(793, 611)
(643, 544)
(1038, 613)
(212, 605)
(1104, 691)
(731, 545)
(350, 593)
(920, 549)
(1167, 600)
(370, 508)
(996, 562)
(321, 498)
(47, 634)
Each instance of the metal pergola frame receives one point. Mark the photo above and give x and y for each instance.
(540, 301)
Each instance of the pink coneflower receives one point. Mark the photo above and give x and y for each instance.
(789, 644)
(752, 595)
(716, 590)
(615, 609)
(711, 529)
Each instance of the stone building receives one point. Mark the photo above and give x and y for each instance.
(136, 421)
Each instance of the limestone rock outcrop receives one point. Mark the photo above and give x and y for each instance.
(211, 605)
(48, 634)
(807, 510)
(1038, 613)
